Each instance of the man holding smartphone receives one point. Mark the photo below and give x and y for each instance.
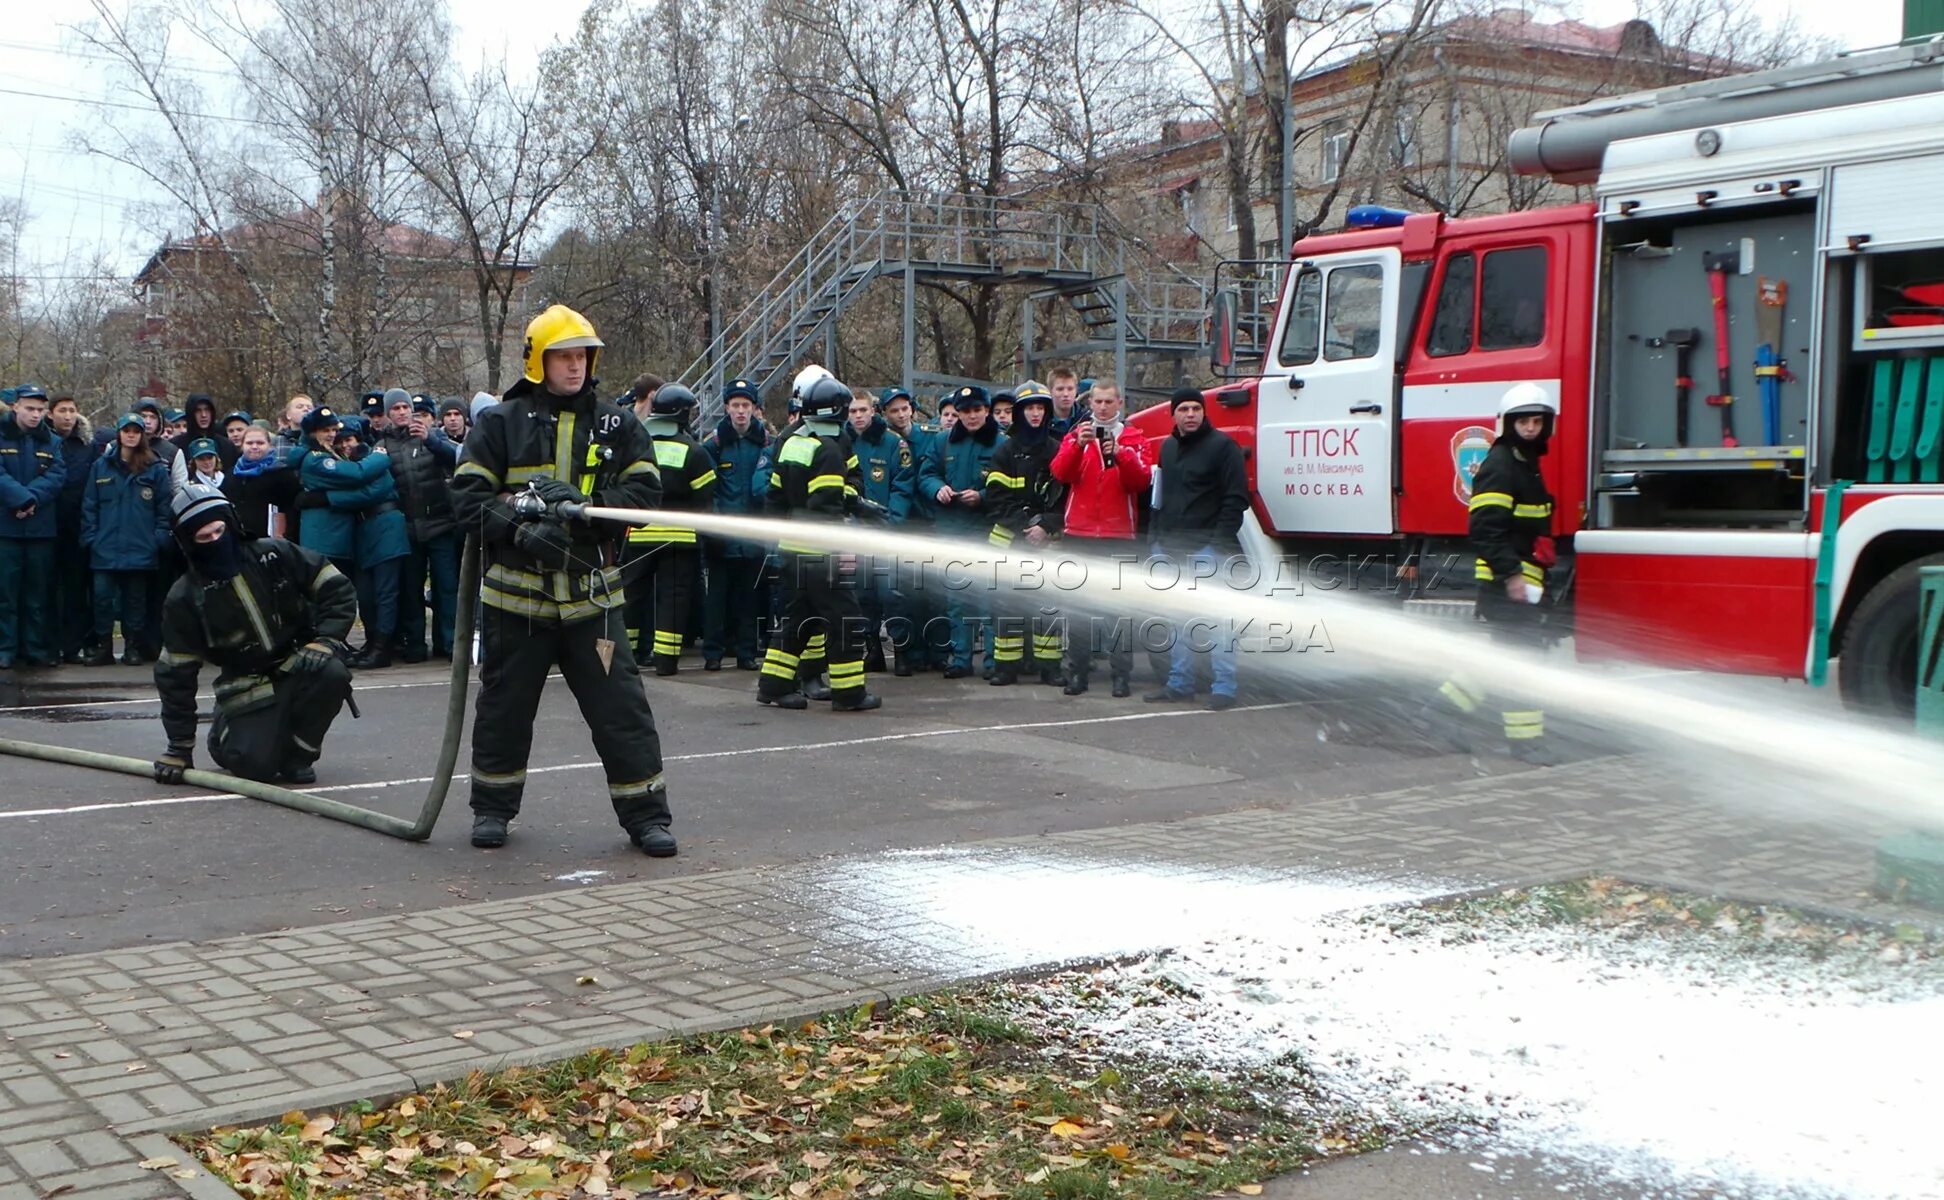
(1106, 466)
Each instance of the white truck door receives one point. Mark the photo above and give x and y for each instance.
(1325, 403)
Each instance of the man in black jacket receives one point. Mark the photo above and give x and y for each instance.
(73, 580)
(272, 617)
(1198, 524)
(421, 466)
(552, 593)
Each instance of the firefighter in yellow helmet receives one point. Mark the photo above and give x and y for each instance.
(552, 591)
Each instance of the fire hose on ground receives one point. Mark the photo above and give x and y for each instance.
(410, 829)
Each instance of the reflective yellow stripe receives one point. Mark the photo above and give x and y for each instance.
(1483, 570)
(509, 779)
(820, 482)
(169, 658)
(542, 610)
(703, 480)
(1011, 481)
(781, 658)
(324, 575)
(799, 548)
(473, 468)
(519, 475)
(814, 646)
(1524, 724)
(1532, 510)
(1459, 697)
(563, 462)
(799, 450)
(661, 534)
(639, 787)
(670, 453)
(514, 577)
(1491, 500)
(1000, 536)
(640, 466)
(1533, 572)
(251, 610)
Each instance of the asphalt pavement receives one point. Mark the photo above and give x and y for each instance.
(91, 860)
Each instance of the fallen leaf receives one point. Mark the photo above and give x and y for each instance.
(157, 1164)
(585, 980)
(816, 1160)
(462, 1034)
(131, 1068)
(407, 1109)
(314, 1131)
(801, 1187)
(866, 1122)
(1249, 1189)
(1065, 1129)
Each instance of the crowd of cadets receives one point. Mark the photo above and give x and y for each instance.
(88, 550)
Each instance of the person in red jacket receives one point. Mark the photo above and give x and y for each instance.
(1106, 465)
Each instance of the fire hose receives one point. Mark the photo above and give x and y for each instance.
(410, 829)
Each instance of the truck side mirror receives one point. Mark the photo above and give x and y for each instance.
(1221, 332)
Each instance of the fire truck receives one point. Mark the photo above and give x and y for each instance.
(1744, 330)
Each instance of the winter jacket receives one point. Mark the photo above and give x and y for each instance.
(360, 519)
(422, 469)
(254, 490)
(959, 460)
(887, 472)
(742, 483)
(1510, 511)
(226, 454)
(32, 470)
(688, 483)
(609, 459)
(1020, 488)
(1103, 501)
(78, 455)
(1204, 491)
(924, 504)
(247, 626)
(125, 514)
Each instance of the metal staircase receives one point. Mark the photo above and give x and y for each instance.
(1067, 251)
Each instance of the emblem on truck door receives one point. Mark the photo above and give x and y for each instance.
(1468, 447)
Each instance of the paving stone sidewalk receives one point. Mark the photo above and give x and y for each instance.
(104, 1053)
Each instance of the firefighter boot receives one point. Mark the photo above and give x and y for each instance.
(1004, 675)
(376, 655)
(668, 664)
(488, 833)
(654, 840)
(863, 702)
(1123, 685)
(816, 689)
(1533, 752)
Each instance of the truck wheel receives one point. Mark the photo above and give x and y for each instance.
(1878, 669)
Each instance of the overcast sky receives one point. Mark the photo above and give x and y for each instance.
(78, 205)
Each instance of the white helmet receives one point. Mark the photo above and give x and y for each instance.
(800, 386)
(1525, 400)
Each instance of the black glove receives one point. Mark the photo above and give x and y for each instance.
(310, 658)
(174, 761)
(547, 541)
(313, 500)
(557, 491)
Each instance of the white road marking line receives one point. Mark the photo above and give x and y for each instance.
(846, 743)
(363, 687)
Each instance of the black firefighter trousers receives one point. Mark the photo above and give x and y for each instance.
(664, 585)
(287, 732)
(518, 653)
(820, 616)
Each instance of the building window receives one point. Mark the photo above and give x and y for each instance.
(1451, 320)
(1404, 142)
(1512, 299)
(1336, 144)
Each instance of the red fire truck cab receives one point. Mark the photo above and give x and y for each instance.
(1745, 333)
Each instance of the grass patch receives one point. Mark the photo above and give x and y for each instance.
(945, 1095)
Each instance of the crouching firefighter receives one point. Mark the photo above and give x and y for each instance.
(1511, 535)
(813, 478)
(552, 593)
(272, 617)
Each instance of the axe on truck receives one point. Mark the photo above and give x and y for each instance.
(1718, 267)
(1683, 341)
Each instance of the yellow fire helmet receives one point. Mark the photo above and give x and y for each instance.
(558, 328)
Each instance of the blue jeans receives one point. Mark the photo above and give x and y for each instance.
(377, 595)
(1204, 636)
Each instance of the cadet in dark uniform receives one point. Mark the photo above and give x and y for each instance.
(812, 478)
(552, 590)
(272, 617)
(663, 561)
(1511, 533)
(1026, 503)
